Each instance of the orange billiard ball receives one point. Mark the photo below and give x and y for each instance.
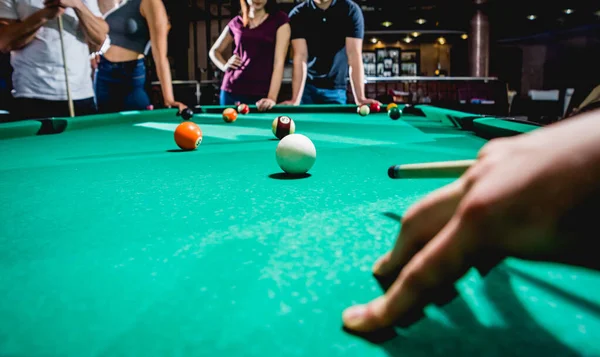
(229, 115)
(188, 135)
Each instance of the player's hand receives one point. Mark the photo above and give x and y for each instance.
(289, 102)
(234, 62)
(62, 3)
(180, 106)
(265, 104)
(368, 101)
(532, 197)
(51, 13)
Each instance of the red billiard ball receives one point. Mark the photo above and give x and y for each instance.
(188, 135)
(150, 107)
(375, 107)
(243, 109)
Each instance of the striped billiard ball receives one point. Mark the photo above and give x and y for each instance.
(283, 126)
(230, 115)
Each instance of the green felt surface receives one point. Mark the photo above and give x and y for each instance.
(19, 129)
(115, 243)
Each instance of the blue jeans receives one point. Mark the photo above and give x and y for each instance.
(121, 86)
(314, 95)
(233, 99)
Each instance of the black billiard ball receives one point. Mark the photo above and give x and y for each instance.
(395, 113)
(187, 114)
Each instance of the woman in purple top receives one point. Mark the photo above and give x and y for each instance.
(254, 72)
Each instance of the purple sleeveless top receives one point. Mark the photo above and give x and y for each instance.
(256, 48)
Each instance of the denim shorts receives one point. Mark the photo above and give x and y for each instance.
(121, 86)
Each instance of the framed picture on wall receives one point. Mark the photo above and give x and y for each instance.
(410, 62)
(369, 58)
(371, 69)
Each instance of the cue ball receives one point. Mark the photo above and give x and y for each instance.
(229, 115)
(243, 109)
(364, 110)
(188, 135)
(296, 154)
(283, 126)
(187, 114)
(395, 113)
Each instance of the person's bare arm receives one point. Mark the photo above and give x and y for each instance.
(156, 15)
(15, 34)
(281, 48)
(300, 49)
(94, 27)
(357, 70)
(216, 52)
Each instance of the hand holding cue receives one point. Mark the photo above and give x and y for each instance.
(442, 169)
(64, 56)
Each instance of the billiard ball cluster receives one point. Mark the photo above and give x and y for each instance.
(295, 153)
(392, 109)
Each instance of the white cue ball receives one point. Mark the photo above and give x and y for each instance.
(296, 154)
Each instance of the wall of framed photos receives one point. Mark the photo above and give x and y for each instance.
(392, 62)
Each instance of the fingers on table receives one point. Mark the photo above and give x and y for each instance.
(420, 224)
(431, 272)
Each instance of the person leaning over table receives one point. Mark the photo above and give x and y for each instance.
(29, 31)
(547, 211)
(327, 40)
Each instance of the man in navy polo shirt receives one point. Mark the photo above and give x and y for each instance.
(327, 38)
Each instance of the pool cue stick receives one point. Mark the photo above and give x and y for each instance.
(442, 169)
(64, 56)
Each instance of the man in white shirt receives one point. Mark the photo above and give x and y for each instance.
(29, 30)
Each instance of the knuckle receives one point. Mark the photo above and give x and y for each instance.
(415, 277)
(477, 209)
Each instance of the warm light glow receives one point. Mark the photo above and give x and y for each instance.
(464, 36)
(441, 41)
(568, 11)
(531, 17)
(408, 39)
(386, 24)
(374, 40)
(421, 21)
(415, 34)
(437, 72)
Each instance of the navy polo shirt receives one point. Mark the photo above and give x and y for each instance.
(325, 32)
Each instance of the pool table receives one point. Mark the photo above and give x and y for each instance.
(113, 242)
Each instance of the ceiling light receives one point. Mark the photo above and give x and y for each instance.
(421, 21)
(386, 24)
(568, 11)
(531, 17)
(464, 36)
(408, 39)
(441, 40)
(374, 40)
(415, 34)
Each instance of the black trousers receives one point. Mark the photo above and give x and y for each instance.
(28, 108)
